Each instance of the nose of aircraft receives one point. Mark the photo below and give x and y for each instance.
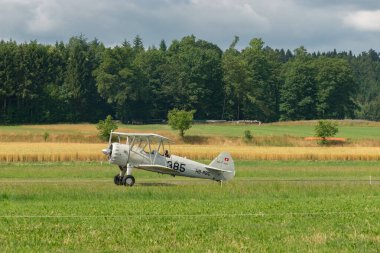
(106, 151)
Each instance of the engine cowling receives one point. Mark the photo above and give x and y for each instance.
(117, 154)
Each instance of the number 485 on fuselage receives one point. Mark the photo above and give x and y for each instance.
(151, 152)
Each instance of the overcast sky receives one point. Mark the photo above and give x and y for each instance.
(318, 25)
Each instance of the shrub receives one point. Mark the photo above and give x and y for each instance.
(105, 126)
(247, 136)
(46, 136)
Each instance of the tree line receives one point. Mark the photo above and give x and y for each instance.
(83, 81)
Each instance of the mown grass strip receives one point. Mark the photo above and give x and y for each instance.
(260, 214)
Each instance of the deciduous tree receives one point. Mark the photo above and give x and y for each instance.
(180, 120)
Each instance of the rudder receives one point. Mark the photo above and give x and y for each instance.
(224, 161)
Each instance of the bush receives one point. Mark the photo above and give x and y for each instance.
(325, 129)
(105, 127)
(46, 136)
(180, 120)
(247, 136)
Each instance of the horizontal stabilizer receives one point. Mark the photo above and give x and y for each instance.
(217, 169)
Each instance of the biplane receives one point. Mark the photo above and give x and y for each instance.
(151, 152)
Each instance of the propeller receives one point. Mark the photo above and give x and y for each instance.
(108, 151)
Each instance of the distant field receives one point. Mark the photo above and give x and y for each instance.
(352, 132)
(87, 132)
(288, 206)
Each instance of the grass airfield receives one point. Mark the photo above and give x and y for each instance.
(289, 195)
(270, 206)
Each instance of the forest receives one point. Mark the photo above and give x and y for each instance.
(83, 81)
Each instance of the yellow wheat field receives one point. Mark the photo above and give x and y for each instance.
(55, 152)
(281, 153)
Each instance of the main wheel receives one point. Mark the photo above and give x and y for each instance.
(117, 180)
(128, 181)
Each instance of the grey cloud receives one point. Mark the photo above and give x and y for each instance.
(318, 25)
(362, 4)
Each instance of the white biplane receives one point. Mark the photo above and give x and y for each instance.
(151, 152)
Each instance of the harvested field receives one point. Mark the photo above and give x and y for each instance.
(52, 152)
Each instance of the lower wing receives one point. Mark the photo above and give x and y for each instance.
(158, 168)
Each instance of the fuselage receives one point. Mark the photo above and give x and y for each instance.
(190, 168)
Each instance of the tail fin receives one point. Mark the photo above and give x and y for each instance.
(224, 161)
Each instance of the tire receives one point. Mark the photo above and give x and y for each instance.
(117, 180)
(128, 181)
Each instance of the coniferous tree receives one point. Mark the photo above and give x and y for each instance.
(9, 78)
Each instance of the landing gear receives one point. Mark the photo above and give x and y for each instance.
(125, 176)
(128, 180)
(117, 179)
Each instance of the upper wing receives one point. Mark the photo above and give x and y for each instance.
(216, 169)
(143, 136)
(157, 168)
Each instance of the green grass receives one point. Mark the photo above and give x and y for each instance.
(271, 206)
(354, 130)
(306, 130)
